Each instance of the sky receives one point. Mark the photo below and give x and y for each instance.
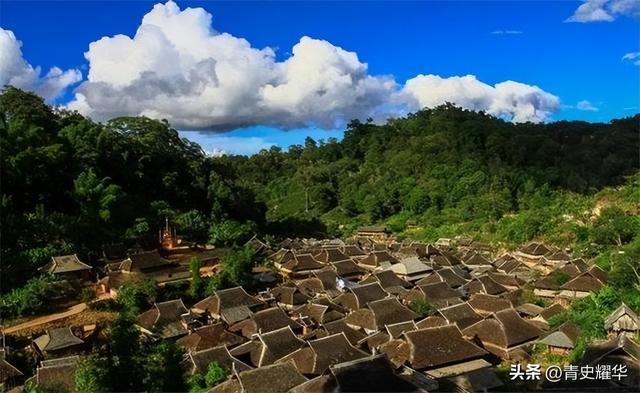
(240, 76)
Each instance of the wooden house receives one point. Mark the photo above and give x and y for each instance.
(622, 320)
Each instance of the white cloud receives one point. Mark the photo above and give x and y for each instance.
(511, 100)
(16, 71)
(219, 144)
(585, 105)
(633, 57)
(178, 67)
(604, 10)
(507, 32)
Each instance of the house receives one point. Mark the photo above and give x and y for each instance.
(555, 259)
(563, 340)
(505, 334)
(619, 350)
(529, 310)
(68, 267)
(328, 255)
(389, 281)
(265, 321)
(378, 260)
(145, 265)
(442, 351)
(340, 326)
(448, 275)
(411, 269)
(301, 265)
(483, 284)
(545, 315)
(165, 319)
(508, 281)
(438, 294)
(270, 347)
(395, 330)
(10, 376)
(288, 296)
(532, 252)
(375, 374)
(622, 320)
(462, 315)
(57, 374)
(209, 336)
(277, 378)
(319, 314)
(474, 260)
(379, 233)
(486, 305)
(380, 313)
(57, 342)
(321, 353)
(233, 303)
(348, 269)
(358, 296)
(584, 284)
(197, 362)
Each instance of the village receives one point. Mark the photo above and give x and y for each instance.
(366, 313)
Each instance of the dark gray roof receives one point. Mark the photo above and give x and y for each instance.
(55, 339)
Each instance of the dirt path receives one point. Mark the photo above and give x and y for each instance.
(73, 310)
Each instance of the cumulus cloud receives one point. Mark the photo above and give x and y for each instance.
(16, 71)
(604, 10)
(585, 105)
(633, 57)
(178, 67)
(510, 100)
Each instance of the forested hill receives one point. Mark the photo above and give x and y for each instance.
(71, 185)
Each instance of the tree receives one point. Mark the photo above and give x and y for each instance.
(230, 232)
(91, 374)
(237, 265)
(215, 374)
(614, 226)
(132, 296)
(193, 226)
(422, 307)
(162, 368)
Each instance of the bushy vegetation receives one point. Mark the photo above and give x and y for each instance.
(34, 297)
(70, 185)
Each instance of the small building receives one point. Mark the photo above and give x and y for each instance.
(57, 374)
(321, 353)
(68, 267)
(225, 301)
(504, 334)
(57, 342)
(443, 352)
(486, 305)
(271, 379)
(619, 350)
(376, 233)
(165, 319)
(563, 340)
(197, 362)
(411, 269)
(622, 320)
(209, 336)
(376, 374)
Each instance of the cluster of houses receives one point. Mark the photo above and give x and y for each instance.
(370, 314)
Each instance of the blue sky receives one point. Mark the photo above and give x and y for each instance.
(574, 62)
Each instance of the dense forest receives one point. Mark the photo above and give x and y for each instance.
(70, 184)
